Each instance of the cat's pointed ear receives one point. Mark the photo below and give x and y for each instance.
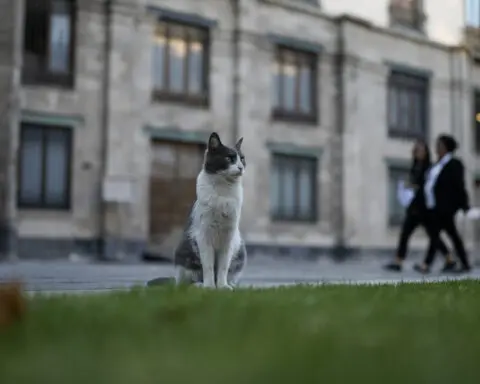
(214, 141)
(238, 146)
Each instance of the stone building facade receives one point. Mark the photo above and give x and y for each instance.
(107, 107)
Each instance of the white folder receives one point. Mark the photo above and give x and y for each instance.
(404, 195)
(473, 213)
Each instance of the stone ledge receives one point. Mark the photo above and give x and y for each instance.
(129, 251)
(49, 249)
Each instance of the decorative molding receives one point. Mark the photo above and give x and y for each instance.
(310, 7)
(472, 41)
(410, 70)
(168, 14)
(48, 118)
(294, 150)
(292, 42)
(174, 133)
(412, 19)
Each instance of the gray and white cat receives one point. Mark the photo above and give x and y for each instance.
(212, 251)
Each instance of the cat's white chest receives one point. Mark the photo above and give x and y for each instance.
(224, 210)
(216, 215)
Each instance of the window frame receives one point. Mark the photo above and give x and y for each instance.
(275, 160)
(44, 77)
(42, 204)
(402, 172)
(404, 81)
(476, 124)
(282, 114)
(202, 99)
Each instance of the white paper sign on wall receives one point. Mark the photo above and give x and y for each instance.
(118, 190)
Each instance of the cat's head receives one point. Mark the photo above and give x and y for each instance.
(223, 160)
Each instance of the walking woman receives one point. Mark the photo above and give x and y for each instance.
(416, 213)
(445, 194)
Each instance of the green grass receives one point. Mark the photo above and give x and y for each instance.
(332, 334)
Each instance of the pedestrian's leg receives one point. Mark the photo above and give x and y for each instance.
(450, 263)
(433, 228)
(442, 247)
(409, 225)
(457, 241)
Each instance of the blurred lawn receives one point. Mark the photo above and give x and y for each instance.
(332, 334)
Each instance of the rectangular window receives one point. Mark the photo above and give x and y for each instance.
(407, 105)
(476, 122)
(396, 212)
(293, 188)
(472, 13)
(407, 13)
(180, 63)
(476, 188)
(48, 47)
(294, 78)
(44, 166)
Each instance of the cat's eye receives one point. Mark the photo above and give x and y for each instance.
(230, 159)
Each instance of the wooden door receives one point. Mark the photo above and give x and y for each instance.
(174, 169)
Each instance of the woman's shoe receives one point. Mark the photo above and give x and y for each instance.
(421, 269)
(449, 266)
(393, 267)
(463, 269)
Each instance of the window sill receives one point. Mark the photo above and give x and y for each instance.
(292, 117)
(59, 82)
(200, 101)
(293, 221)
(394, 134)
(43, 208)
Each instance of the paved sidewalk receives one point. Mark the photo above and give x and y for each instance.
(63, 276)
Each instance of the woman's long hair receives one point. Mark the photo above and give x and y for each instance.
(426, 162)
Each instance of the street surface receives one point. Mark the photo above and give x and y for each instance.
(77, 277)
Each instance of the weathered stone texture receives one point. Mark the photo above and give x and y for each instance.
(352, 174)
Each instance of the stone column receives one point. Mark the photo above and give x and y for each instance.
(124, 217)
(11, 31)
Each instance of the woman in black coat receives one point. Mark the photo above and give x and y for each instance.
(416, 213)
(445, 194)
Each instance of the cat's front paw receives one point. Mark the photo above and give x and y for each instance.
(225, 286)
(208, 285)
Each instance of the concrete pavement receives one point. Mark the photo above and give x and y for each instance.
(75, 277)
